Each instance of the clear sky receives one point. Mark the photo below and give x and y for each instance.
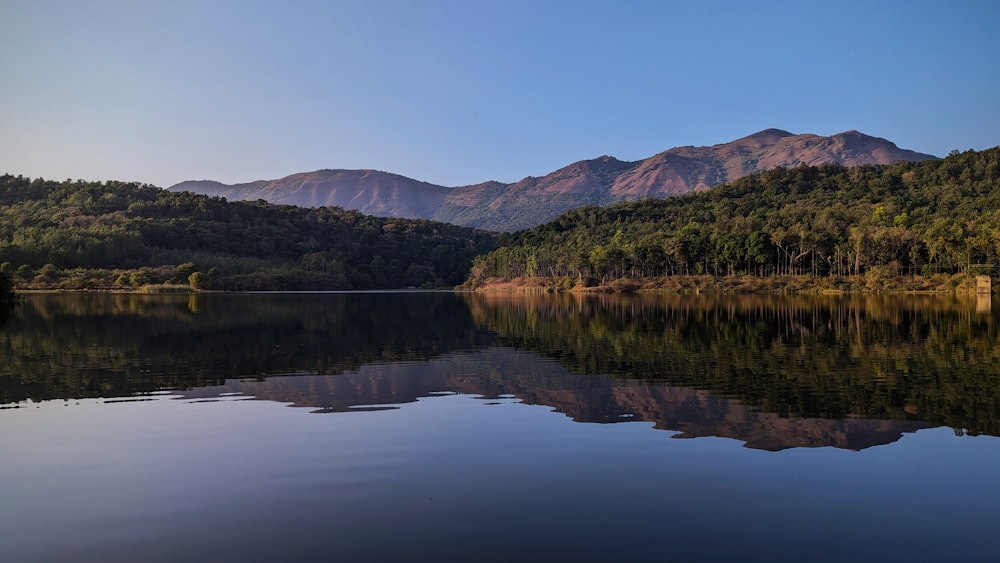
(459, 92)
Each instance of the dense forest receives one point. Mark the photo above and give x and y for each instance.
(870, 223)
(905, 219)
(91, 235)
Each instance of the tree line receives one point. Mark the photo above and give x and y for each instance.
(904, 219)
(901, 219)
(77, 234)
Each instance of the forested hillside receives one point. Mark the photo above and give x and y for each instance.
(876, 221)
(77, 234)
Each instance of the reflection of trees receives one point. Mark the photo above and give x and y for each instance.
(5, 310)
(918, 358)
(67, 346)
(908, 358)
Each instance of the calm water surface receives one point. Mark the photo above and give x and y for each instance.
(451, 427)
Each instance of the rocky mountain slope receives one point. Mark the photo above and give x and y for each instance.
(535, 200)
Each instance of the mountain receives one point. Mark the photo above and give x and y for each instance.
(535, 200)
(908, 225)
(369, 191)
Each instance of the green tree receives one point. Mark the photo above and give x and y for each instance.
(197, 280)
(183, 272)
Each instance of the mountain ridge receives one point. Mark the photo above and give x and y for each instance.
(534, 200)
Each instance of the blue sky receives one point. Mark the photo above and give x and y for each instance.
(459, 92)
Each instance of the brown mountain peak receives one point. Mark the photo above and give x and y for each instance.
(535, 200)
(765, 137)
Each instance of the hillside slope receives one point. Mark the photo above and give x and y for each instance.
(874, 221)
(115, 235)
(535, 200)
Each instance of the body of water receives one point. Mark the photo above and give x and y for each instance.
(465, 427)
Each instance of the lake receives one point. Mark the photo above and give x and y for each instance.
(467, 427)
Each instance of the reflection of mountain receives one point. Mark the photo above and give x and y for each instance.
(501, 371)
(99, 345)
(917, 358)
(775, 366)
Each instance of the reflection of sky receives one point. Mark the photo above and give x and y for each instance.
(452, 478)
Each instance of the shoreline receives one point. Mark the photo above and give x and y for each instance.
(817, 285)
(943, 284)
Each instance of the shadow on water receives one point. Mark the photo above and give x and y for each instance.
(774, 372)
(5, 312)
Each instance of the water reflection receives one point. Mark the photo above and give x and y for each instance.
(773, 372)
(94, 345)
(503, 373)
(913, 358)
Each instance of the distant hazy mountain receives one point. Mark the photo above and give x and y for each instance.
(372, 192)
(535, 200)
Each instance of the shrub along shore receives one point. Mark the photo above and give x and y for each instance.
(941, 283)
